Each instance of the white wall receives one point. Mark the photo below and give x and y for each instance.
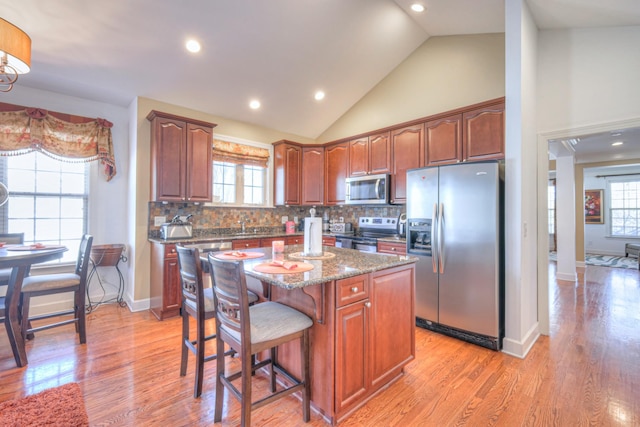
(108, 200)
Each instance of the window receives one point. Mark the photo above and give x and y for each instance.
(237, 184)
(624, 202)
(48, 200)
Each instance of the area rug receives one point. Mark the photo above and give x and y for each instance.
(605, 260)
(59, 406)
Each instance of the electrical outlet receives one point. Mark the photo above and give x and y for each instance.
(284, 219)
(159, 220)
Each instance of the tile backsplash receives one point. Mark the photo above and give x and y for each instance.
(209, 220)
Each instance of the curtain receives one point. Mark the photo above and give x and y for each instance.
(224, 151)
(34, 129)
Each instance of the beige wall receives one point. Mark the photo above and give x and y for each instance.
(444, 73)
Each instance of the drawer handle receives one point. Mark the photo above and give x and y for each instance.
(393, 249)
(367, 304)
(354, 289)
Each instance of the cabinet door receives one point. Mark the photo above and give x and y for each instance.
(168, 157)
(336, 167)
(379, 153)
(359, 157)
(483, 135)
(313, 176)
(199, 163)
(407, 147)
(352, 360)
(443, 141)
(392, 304)
(286, 169)
(172, 297)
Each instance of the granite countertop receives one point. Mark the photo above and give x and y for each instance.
(224, 237)
(346, 263)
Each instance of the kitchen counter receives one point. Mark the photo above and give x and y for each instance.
(224, 237)
(346, 263)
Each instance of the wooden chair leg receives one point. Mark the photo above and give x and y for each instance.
(24, 314)
(184, 358)
(199, 360)
(81, 322)
(274, 356)
(245, 401)
(220, 372)
(306, 393)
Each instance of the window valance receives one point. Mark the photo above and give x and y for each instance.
(34, 129)
(224, 151)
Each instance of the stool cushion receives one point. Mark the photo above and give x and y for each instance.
(47, 282)
(271, 320)
(632, 246)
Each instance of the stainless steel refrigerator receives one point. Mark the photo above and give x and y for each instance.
(455, 222)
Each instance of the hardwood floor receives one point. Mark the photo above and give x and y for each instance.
(585, 373)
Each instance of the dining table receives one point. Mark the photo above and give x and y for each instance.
(20, 258)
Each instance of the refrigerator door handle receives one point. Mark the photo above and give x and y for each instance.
(434, 228)
(441, 238)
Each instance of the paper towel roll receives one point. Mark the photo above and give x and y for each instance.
(312, 236)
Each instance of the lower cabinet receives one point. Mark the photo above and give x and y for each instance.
(328, 241)
(392, 248)
(165, 292)
(245, 244)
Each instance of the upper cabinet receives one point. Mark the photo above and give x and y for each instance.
(483, 134)
(443, 141)
(370, 155)
(287, 166)
(336, 166)
(408, 151)
(312, 176)
(181, 158)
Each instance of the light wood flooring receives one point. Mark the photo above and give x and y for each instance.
(586, 373)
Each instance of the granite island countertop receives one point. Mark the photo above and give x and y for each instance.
(345, 263)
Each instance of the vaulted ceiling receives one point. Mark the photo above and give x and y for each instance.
(278, 51)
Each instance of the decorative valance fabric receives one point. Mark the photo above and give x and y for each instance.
(34, 129)
(224, 151)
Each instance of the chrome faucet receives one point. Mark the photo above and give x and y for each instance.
(241, 225)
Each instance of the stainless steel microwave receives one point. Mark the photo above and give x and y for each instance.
(367, 190)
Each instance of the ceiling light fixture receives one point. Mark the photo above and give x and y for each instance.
(617, 143)
(254, 104)
(15, 54)
(193, 46)
(319, 96)
(417, 7)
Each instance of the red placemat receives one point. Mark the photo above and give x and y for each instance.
(32, 248)
(236, 255)
(268, 267)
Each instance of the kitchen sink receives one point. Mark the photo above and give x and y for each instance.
(210, 246)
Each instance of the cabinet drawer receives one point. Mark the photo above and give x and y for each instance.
(245, 244)
(392, 248)
(328, 241)
(295, 240)
(170, 251)
(352, 289)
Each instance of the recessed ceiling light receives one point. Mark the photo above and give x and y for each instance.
(319, 95)
(417, 7)
(254, 104)
(193, 46)
(617, 143)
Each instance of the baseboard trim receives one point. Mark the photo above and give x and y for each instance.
(521, 348)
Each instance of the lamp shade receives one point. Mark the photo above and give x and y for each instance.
(16, 44)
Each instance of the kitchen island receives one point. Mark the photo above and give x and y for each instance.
(362, 305)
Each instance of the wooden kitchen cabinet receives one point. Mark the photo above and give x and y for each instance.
(328, 241)
(312, 176)
(181, 158)
(407, 147)
(245, 244)
(336, 169)
(165, 289)
(392, 248)
(370, 155)
(294, 240)
(443, 141)
(287, 164)
(483, 133)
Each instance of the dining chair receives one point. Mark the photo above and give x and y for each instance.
(49, 284)
(249, 330)
(197, 302)
(10, 239)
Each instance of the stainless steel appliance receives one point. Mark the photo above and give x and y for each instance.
(455, 227)
(367, 190)
(369, 230)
